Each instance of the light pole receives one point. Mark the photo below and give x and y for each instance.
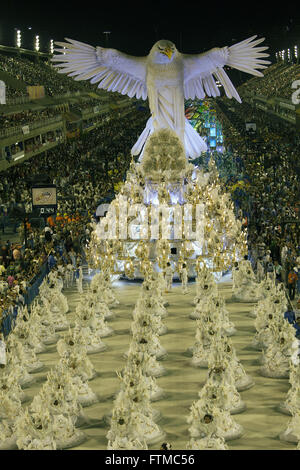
(19, 39)
(296, 54)
(37, 43)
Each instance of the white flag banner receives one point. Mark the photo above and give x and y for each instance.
(250, 126)
(25, 129)
(2, 92)
(2, 352)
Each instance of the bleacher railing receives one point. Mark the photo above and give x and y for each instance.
(17, 100)
(14, 130)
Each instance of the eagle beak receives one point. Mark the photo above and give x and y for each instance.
(168, 52)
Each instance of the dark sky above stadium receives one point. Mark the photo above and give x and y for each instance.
(193, 26)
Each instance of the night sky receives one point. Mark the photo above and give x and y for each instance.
(193, 26)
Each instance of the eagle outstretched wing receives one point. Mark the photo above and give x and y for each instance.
(201, 70)
(114, 70)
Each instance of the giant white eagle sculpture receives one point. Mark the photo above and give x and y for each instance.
(166, 77)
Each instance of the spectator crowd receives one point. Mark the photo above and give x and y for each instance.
(31, 73)
(85, 170)
(277, 81)
(23, 118)
(268, 199)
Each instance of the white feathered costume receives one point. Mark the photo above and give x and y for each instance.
(166, 77)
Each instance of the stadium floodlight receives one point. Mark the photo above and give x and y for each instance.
(289, 54)
(296, 51)
(19, 38)
(51, 46)
(37, 43)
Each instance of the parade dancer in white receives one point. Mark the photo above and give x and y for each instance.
(184, 279)
(79, 280)
(168, 277)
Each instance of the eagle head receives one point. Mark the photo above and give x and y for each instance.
(163, 51)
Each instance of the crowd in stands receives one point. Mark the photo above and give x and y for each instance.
(85, 170)
(59, 243)
(41, 73)
(277, 81)
(269, 199)
(84, 103)
(15, 93)
(14, 121)
(26, 117)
